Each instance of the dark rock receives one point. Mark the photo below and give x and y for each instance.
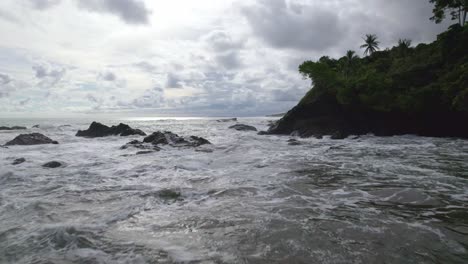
(52, 164)
(12, 128)
(169, 194)
(169, 138)
(18, 161)
(323, 115)
(262, 133)
(35, 126)
(242, 127)
(338, 135)
(293, 142)
(227, 120)
(31, 139)
(140, 145)
(144, 152)
(99, 130)
(318, 136)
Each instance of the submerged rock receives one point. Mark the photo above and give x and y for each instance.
(31, 139)
(242, 127)
(52, 164)
(293, 142)
(12, 128)
(227, 120)
(18, 161)
(99, 130)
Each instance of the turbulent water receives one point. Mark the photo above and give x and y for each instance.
(246, 199)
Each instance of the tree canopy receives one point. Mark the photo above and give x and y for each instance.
(425, 78)
(457, 8)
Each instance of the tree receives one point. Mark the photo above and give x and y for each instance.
(350, 62)
(404, 43)
(458, 10)
(371, 44)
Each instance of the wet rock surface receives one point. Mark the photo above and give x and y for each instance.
(242, 127)
(153, 141)
(13, 128)
(52, 164)
(227, 120)
(31, 139)
(18, 161)
(99, 130)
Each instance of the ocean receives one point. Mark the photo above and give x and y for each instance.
(246, 198)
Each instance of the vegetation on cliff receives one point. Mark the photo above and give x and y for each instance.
(426, 78)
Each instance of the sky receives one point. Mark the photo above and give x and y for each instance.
(182, 57)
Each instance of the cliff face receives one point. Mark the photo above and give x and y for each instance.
(422, 91)
(326, 116)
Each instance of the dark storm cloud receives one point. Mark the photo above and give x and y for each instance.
(43, 4)
(336, 26)
(130, 11)
(302, 27)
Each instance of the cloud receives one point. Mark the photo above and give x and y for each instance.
(173, 81)
(221, 41)
(4, 79)
(130, 11)
(304, 27)
(145, 66)
(7, 16)
(229, 60)
(108, 76)
(44, 4)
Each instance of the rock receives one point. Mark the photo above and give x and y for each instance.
(52, 164)
(35, 126)
(140, 145)
(338, 135)
(242, 127)
(12, 128)
(152, 141)
(262, 133)
(18, 161)
(169, 138)
(317, 136)
(293, 142)
(168, 194)
(227, 120)
(31, 139)
(144, 152)
(99, 130)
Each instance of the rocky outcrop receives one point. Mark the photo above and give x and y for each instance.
(153, 141)
(31, 139)
(242, 127)
(52, 164)
(99, 130)
(325, 116)
(18, 161)
(12, 128)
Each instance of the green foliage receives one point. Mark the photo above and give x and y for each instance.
(426, 78)
(457, 9)
(371, 44)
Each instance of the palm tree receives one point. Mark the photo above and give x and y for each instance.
(404, 43)
(371, 44)
(351, 58)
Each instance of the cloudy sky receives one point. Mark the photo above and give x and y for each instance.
(182, 57)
